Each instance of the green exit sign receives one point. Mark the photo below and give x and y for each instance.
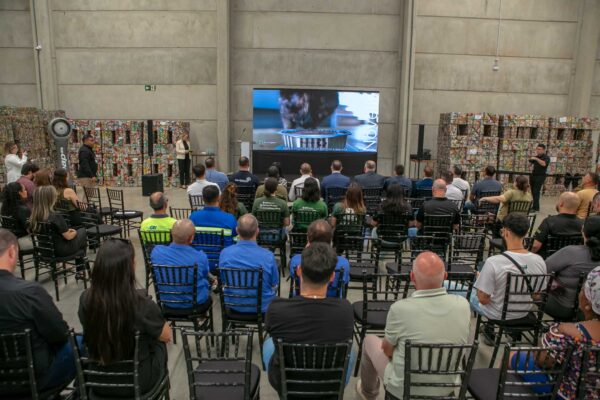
(150, 88)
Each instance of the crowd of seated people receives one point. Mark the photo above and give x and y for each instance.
(112, 308)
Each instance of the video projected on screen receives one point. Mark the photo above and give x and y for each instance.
(315, 120)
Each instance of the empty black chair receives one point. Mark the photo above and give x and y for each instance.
(380, 291)
(418, 244)
(196, 201)
(117, 380)
(363, 257)
(524, 293)
(372, 197)
(334, 195)
(180, 213)
(246, 195)
(128, 219)
(460, 283)
(92, 196)
(96, 229)
(25, 255)
(437, 225)
(44, 254)
(589, 379)
(17, 374)
(241, 300)
(176, 289)
(220, 366)
(148, 240)
(445, 367)
(556, 242)
(466, 252)
(509, 383)
(313, 370)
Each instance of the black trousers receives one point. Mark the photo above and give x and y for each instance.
(537, 181)
(184, 171)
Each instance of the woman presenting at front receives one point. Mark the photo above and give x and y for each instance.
(182, 148)
(12, 162)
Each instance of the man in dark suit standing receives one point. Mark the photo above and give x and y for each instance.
(370, 179)
(335, 179)
(88, 167)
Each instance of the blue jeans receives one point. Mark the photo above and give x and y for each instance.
(269, 350)
(526, 362)
(475, 305)
(62, 370)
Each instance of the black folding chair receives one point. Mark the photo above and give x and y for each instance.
(17, 374)
(298, 242)
(460, 283)
(92, 196)
(392, 234)
(180, 213)
(120, 379)
(446, 367)
(334, 195)
(417, 203)
(437, 225)
(466, 252)
(219, 365)
(557, 242)
(176, 289)
(246, 195)
(507, 382)
(148, 240)
(211, 241)
(196, 201)
(128, 219)
(271, 234)
(97, 231)
(348, 225)
(25, 255)
(418, 244)
(380, 291)
(241, 300)
(486, 208)
(589, 379)
(44, 254)
(372, 197)
(313, 370)
(525, 294)
(298, 191)
(519, 206)
(303, 218)
(363, 257)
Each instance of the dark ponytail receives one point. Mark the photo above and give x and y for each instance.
(591, 230)
(522, 183)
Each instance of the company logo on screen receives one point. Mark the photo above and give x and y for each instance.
(315, 120)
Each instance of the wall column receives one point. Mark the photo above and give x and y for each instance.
(43, 43)
(223, 85)
(586, 46)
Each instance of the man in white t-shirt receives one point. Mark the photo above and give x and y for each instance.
(195, 189)
(459, 182)
(491, 282)
(306, 171)
(452, 192)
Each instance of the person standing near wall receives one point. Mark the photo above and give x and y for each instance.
(12, 162)
(538, 175)
(182, 148)
(88, 167)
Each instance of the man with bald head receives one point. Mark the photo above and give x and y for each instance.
(159, 221)
(305, 172)
(247, 254)
(438, 205)
(429, 315)
(565, 223)
(180, 252)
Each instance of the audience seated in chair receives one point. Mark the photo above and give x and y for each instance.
(247, 254)
(305, 173)
(568, 264)
(112, 310)
(211, 216)
(281, 192)
(67, 198)
(27, 305)
(310, 200)
(521, 192)
(67, 241)
(427, 181)
(370, 178)
(459, 182)
(160, 221)
(201, 182)
(28, 172)
(335, 179)
(14, 206)
(430, 315)
(229, 202)
(214, 176)
(563, 335)
(352, 203)
(587, 193)
(243, 177)
(180, 252)
(269, 201)
(398, 179)
(486, 185)
(488, 299)
(312, 317)
(320, 232)
(452, 192)
(438, 205)
(565, 223)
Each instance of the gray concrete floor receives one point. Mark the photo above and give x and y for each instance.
(69, 302)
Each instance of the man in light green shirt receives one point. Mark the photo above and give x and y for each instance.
(160, 221)
(430, 315)
(269, 202)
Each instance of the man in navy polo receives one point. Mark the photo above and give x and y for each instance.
(335, 179)
(247, 254)
(398, 179)
(180, 252)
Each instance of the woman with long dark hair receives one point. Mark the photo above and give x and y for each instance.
(67, 198)
(394, 205)
(352, 203)
(112, 310)
(280, 178)
(14, 205)
(310, 200)
(229, 203)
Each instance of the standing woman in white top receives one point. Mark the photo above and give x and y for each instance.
(12, 162)
(182, 148)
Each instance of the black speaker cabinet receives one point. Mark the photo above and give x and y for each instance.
(152, 183)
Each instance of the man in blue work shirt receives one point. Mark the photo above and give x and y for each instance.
(320, 231)
(335, 179)
(427, 182)
(214, 176)
(180, 252)
(247, 254)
